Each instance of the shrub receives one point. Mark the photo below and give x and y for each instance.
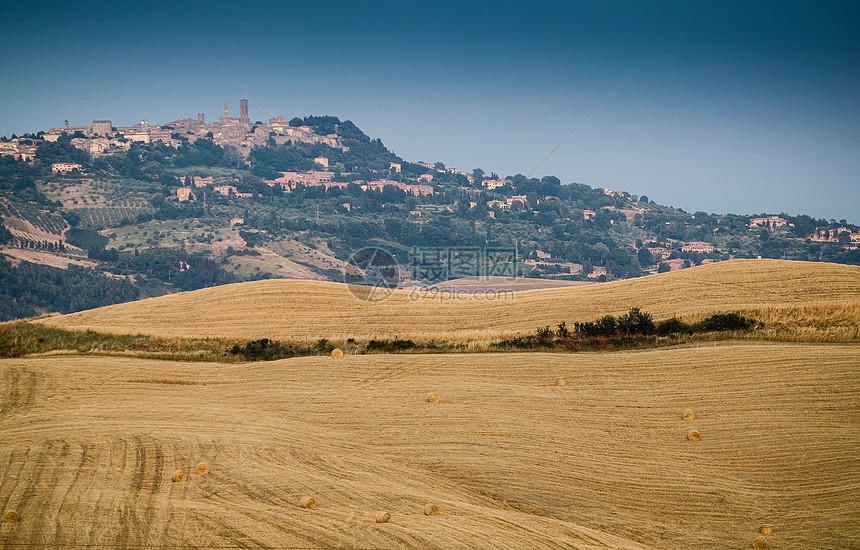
(673, 326)
(636, 322)
(725, 321)
(605, 326)
(389, 346)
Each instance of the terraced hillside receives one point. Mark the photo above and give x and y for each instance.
(812, 301)
(511, 459)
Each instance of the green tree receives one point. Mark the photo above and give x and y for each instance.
(477, 177)
(645, 256)
(599, 252)
(5, 235)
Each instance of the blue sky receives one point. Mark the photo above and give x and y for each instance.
(742, 107)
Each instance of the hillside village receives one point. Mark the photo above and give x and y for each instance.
(191, 203)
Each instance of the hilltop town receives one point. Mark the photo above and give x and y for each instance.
(148, 209)
(101, 137)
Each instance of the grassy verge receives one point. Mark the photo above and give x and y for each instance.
(18, 339)
(635, 330)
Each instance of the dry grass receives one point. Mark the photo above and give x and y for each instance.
(87, 452)
(796, 301)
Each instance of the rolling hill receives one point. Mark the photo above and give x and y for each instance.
(511, 459)
(796, 300)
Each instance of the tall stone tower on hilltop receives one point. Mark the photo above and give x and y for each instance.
(243, 111)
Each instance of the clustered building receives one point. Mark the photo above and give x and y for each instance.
(833, 234)
(20, 148)
(101, 137)
(410, 189)
(289, 181)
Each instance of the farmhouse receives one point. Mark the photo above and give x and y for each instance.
(611, 193)
(493, 184)
(226, 190)
(770, 222)
(675, 265)
(596, 272)
(698, 246)
(65, 167)
(659, 252)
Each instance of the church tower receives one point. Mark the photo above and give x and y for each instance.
(243, 111)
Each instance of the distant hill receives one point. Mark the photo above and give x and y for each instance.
(193, 210)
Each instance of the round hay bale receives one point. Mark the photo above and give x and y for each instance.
(562, 381)
(179, 476)
(766, 529)
(431, 510)
(694, 436)
(432, 397)
(308, 503)
(11, 517)
(202, 469)
(688, 415)
(337, 353)
(382, 517)
(759, 543)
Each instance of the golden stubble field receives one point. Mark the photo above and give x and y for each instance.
(801, 300)
(511, 459)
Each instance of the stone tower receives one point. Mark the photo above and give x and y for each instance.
(243, 111)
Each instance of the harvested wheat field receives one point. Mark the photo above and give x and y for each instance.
(802, 300)
(509, 458)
